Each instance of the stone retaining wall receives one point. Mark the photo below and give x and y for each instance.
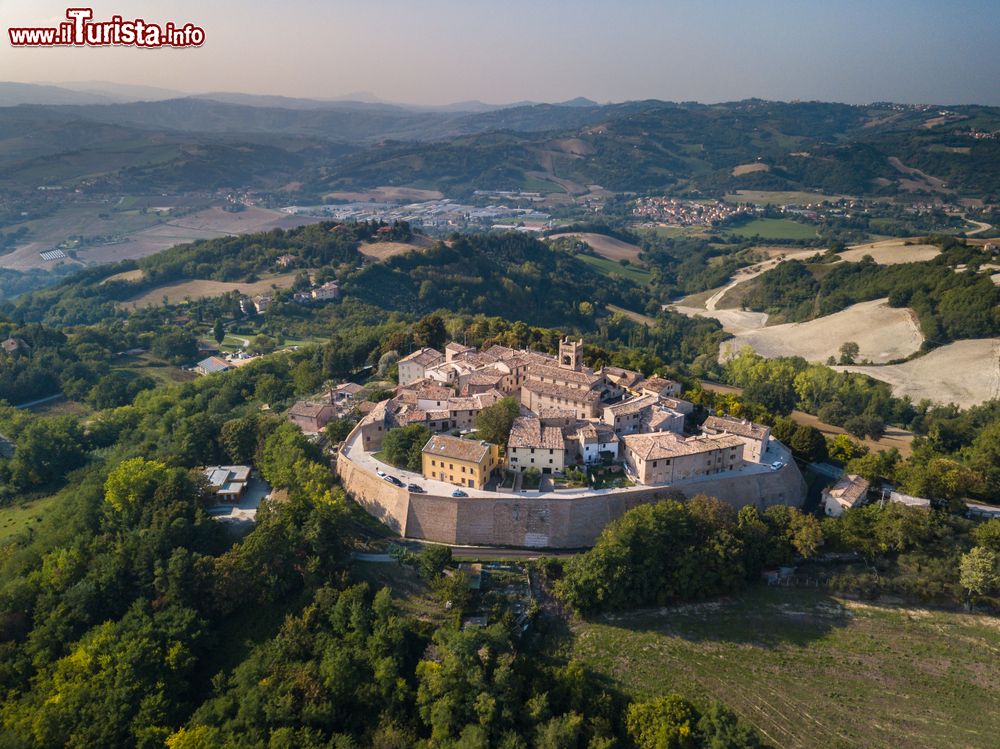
(544, 521)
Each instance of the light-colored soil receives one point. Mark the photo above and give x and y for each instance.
(882, 332)
(127, 275)
(892, 252)
(177, 292)
(918, 180)
(605, 246)
(733, 320)
(634, 316)
(749, 169)
(964, 373)
(386, 250)
(388, 195)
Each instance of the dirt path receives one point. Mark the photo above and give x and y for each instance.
(733, 320)
(981, 226)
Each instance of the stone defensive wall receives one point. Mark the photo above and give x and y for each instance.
(543, 521)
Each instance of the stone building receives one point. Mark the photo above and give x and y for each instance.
(665, 457)
(467, 463)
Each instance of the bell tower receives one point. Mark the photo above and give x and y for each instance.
(570, 354)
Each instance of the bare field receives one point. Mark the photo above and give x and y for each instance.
(882, 332)
(387, 194)
(965, 373)
(178, 292)
(143, 239)
(749, 169)
(386, 250)
(892, 252)
(605, 246)
(126, 275)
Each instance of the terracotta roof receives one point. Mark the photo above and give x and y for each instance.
(849, 490)
(551, 389)
(740, 427)
(589, 432)
(586, 379)
(623, 377)
(308, 409)
(527, 431)
(656, 384)
(445, 446)
(632, 405)
(660, 445)
(425, 357)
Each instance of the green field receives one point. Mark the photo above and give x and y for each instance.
(24, 515)
(612, 268)
(777, 197)
(810, 670)
(534, 184)
(773, 228)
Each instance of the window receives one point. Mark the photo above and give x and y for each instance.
(463, 469)
(433, 463)
(654, 463)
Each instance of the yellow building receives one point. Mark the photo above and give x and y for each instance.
(466, 463)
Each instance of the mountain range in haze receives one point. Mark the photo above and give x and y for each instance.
(78, 93)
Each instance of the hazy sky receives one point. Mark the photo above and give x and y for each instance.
(440, 51)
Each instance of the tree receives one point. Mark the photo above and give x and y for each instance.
(430, 332)
(668, 722)
(494, 422)
(849, 351)
(131, 481)
(338, 429)
(808, 443)
(176, 346)
(723, 729)
(219, 331)
(402, 446)
(988, 534)
(979, 571)
(238, 439)
(433, 559)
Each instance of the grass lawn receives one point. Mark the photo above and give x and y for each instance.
(607, 267)
(810, 670)
(534, 184)
(20, 516)
(773, 228)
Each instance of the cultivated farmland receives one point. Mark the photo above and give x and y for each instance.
(964, 373)
(892, 252)
(883, 333)
(197, 289)
(803, 666)
(605, 246)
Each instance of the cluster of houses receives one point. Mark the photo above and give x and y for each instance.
(570, 415)
(260, 303)
(312, 414)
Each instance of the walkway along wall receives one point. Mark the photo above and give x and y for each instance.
(548, 520)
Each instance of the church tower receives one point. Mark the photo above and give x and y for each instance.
(571, 354)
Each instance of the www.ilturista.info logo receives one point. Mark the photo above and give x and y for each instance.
(80, 30)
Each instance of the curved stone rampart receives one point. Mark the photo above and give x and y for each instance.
(548, 521)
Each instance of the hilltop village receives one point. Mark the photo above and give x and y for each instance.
(578, 434)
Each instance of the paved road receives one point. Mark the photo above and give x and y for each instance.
(353, 451)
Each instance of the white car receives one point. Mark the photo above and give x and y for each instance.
(777, 465)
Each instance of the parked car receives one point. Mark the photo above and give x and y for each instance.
(416, 488)
(459, 493)
(393, 480)
(777, 465)
(380, 472)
